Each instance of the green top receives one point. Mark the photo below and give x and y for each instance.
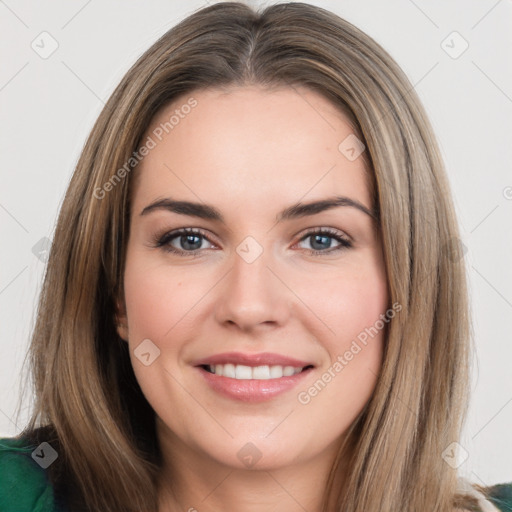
(24, 486)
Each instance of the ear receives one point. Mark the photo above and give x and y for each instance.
(121, 319)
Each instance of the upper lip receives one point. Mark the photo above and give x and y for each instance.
(261, 359)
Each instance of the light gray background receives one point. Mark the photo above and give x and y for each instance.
(49, 106)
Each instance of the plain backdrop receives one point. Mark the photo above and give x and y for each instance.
(457, 55)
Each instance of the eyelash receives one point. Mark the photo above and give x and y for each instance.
(163, 241)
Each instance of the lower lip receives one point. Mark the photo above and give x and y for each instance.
(252, 390)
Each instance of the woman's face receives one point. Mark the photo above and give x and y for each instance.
(294, 338)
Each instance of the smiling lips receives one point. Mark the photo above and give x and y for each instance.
(252, 377)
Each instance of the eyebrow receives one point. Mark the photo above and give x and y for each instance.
(208, 212)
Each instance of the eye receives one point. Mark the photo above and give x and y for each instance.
(321, 244)
(190, 240)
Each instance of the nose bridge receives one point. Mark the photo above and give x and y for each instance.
(250, 277)
(252, 294)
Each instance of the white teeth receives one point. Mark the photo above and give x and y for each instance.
(288, 371)
(228, 371)
(242, 372)
(261, 372)
(276, 372)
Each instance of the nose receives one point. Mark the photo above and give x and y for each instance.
(252, 295)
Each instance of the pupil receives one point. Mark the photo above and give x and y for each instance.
(324, 238)
(185, 239)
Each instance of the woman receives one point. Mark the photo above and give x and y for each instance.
(256, 372)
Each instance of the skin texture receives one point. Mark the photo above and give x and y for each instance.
(252, 152)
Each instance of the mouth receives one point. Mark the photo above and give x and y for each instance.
(243, 372)
(252, 377)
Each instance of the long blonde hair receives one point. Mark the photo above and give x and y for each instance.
(87, 397)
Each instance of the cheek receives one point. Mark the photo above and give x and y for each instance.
(349, 302)
(355, 312)
(355, 307)
(157, 298)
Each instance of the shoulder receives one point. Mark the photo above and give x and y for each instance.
(495, 498)
(500, 495)
(24, 486)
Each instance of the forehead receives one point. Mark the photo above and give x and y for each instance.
(250, 146)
